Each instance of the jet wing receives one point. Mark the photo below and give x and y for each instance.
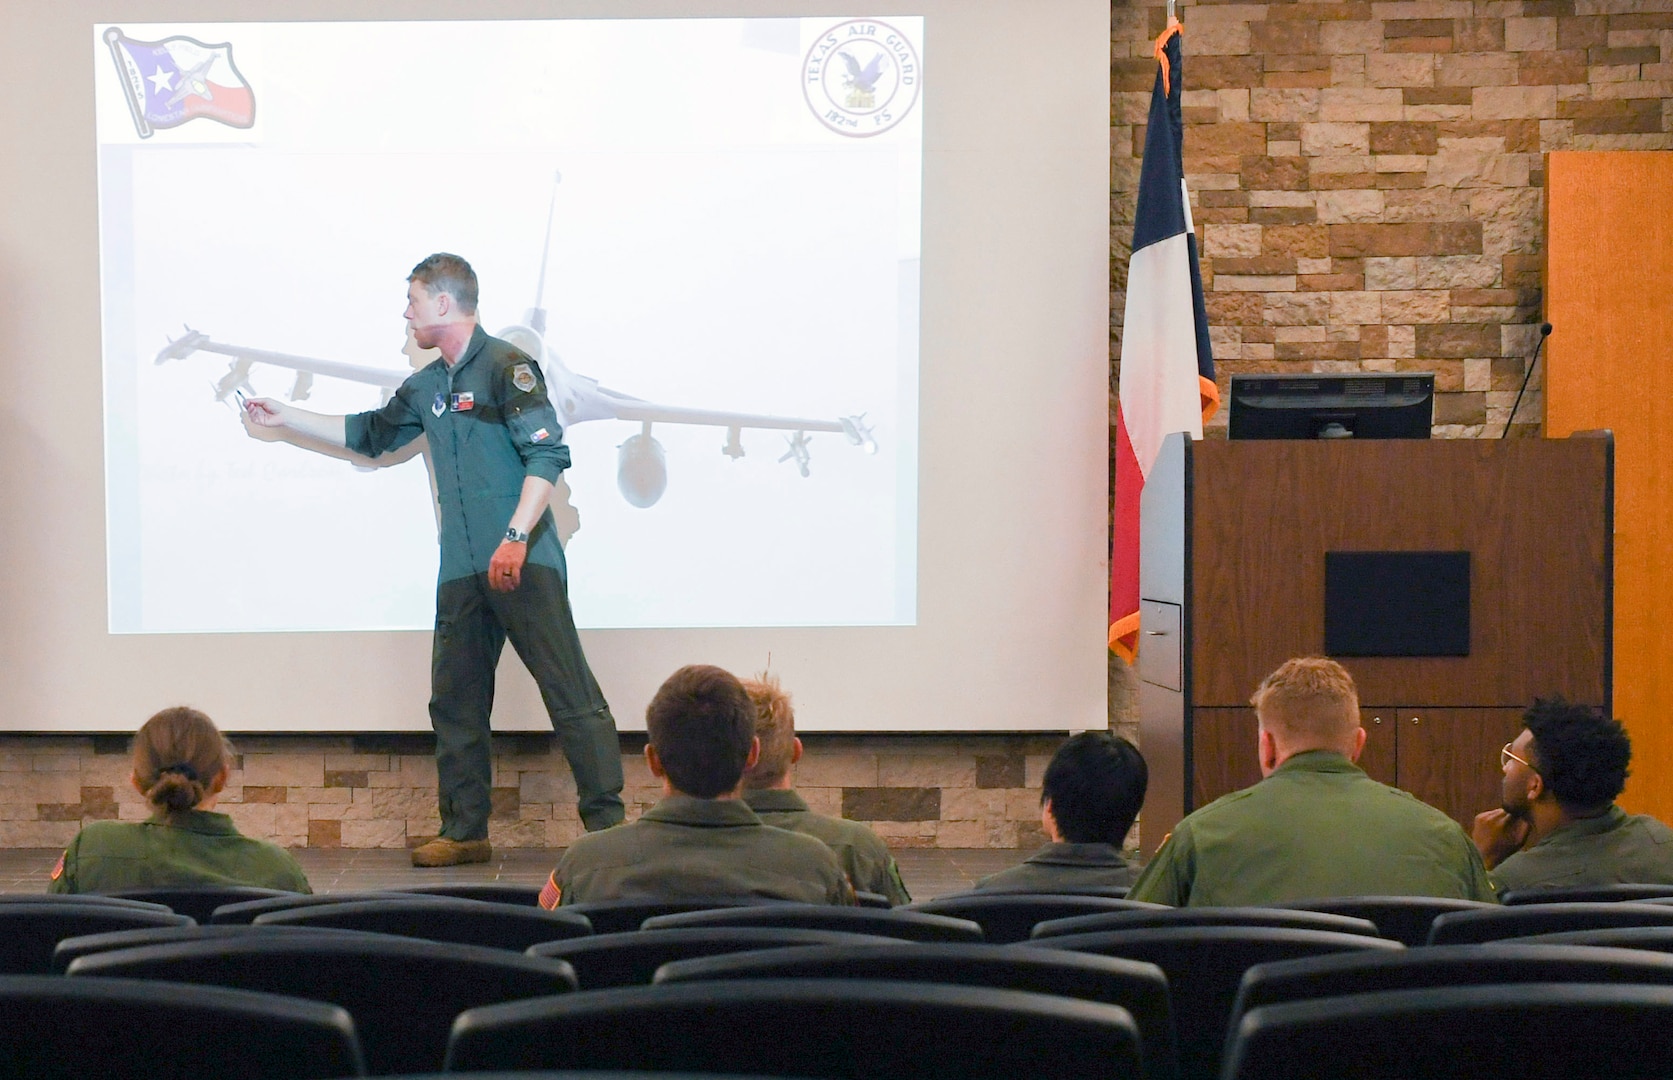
(853, 428)
(581, 399)
(196, 341)
(627, 408)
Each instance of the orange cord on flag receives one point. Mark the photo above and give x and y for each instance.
(1210, 394)
(1124, 637)
(1174, 27)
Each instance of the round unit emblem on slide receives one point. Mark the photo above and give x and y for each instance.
(861, 77)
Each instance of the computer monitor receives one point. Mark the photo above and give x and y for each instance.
(1371, 406)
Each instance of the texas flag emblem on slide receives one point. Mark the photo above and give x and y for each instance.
(178, 79)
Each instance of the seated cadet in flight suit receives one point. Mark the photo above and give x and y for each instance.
(1316, 826)
(769, 789)
(181, 763)
(701, 840)
(1559, 826)
(1090, 795)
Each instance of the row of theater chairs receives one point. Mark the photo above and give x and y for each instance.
(406, 993)
(245, 902)
(31, 925)
(1445, 1012)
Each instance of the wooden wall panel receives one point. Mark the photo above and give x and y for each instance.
(1609, 298)
(1449, 758)
(1224, 754)
(1531, 511)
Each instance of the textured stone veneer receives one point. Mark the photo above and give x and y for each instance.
(1367, 177)
(380, 790)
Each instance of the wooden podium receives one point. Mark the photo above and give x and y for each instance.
(1232, 578)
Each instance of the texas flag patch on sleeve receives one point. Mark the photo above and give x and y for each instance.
(550, 894)
(540, 436)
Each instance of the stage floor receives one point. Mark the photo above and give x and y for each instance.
(928, 872)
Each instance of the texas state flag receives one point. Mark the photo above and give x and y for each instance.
(178, 79)
(1167, 370)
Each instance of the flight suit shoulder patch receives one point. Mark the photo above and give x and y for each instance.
(58, 868)
(522, 377)
(551, 895)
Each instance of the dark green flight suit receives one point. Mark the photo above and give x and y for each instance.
(1066, 866)
(1613, 847)
(861, 852)
(1317, 827)
(195, 848)
(490, 424)
(689, 847)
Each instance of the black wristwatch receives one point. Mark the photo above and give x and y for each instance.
(516, 536)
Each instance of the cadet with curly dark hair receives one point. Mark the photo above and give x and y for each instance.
(1559, 825)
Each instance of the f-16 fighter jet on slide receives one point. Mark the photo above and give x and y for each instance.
(641, 465)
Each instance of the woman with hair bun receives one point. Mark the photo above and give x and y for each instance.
(181, 763)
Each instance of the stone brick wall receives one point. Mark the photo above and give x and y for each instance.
(1367, 177)
(374, 791)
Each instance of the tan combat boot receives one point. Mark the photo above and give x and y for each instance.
(444, 852)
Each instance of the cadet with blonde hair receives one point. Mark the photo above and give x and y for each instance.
(1309, 703)
(181, 765)
(1315, 825)
(769, 789)
(702, 840)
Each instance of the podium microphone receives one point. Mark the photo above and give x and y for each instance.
(1544, 332)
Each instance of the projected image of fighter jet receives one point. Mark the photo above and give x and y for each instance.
(641, 465)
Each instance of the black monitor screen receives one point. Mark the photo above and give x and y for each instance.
(1332, 406)
(1397, 603)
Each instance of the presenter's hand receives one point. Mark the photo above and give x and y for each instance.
(505, 569)
(265, 412)
(1498, 836)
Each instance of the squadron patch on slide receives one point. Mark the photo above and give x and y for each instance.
(522, 377)
(874, 86)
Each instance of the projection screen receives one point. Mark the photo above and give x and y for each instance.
(820, 297)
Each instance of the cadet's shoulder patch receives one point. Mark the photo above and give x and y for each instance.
(58, 869)
(550, 894)
(522, 377)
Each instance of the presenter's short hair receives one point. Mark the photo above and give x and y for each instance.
(1581, 754)
(775, 726)
(702, 724)
(1308, 700)
(1096, 783)
(450, 274)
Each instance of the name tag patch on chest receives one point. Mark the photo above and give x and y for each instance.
(464, 402)
(439, 405)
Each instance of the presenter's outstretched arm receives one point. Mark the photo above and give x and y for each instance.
(268, 413)
(505, 569)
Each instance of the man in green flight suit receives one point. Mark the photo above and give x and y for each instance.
(701, 840)
(1316, 826)
(769, 789)
(497, 450)
(1559, 826)
(1089, 797)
